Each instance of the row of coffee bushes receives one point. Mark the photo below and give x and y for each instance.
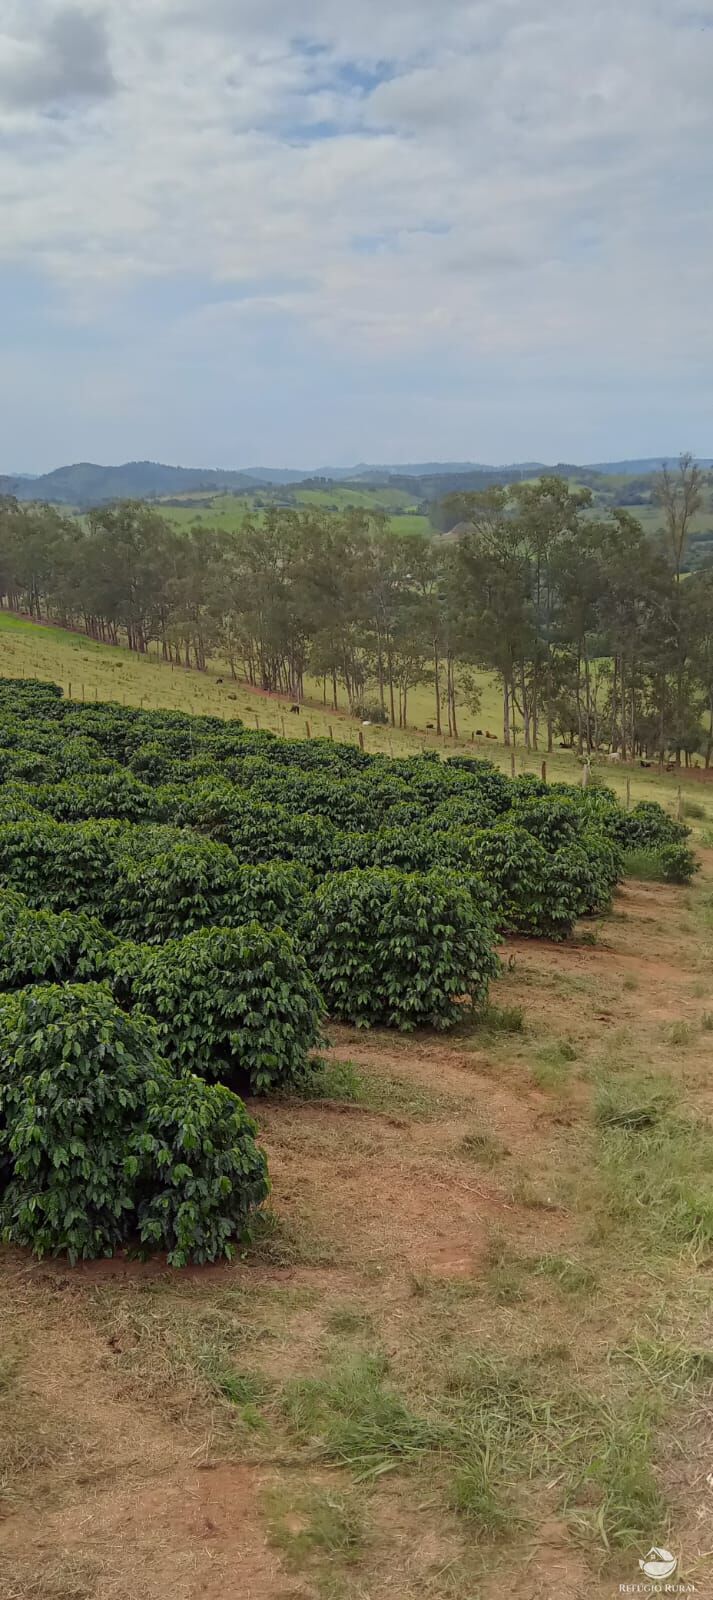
(49, 744)
(182, 901)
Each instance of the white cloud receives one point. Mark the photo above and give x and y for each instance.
(63, 56)
(489, 178)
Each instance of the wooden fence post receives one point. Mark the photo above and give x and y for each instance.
(282, 720)
(69, 691)
(680, 804)
(361, 739)
(331, 732)
(308, 730)
(82, 691)
(257, 722)
(544, 772)
(512, 763)
(628, 794)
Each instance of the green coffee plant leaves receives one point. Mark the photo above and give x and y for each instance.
(400, 949)
(102, 1146)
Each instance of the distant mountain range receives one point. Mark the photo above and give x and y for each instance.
(87, 484)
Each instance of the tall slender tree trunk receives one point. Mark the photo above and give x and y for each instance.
(525, 708)
(437, 684)
(452, 695)
(588, 697)
(578, 695)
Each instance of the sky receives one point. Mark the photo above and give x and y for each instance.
(308, 232)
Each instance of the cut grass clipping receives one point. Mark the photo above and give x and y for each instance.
(497, 1433)
(655, 1166)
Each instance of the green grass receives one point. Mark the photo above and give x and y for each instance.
(694, 811)
(494, 1431)
(655, 1168)
(645, 865)
(496, 1019)
(573, 1277)
(479, 1494)
(670, 1365)
(551, 1066)
(313, 1525)
(681, 1034)
(342, 1081)
(356, 1417)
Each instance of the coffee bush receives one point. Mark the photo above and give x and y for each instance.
(399, 949)
(235, 1004)
(48, 946)
(102, 1146)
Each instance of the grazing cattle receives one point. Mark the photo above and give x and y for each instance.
(645, 763)
(295, 710)
(491, 736)
(478, 733)
(614, 755)
(429, 727)
(219, 680)
(366, 723)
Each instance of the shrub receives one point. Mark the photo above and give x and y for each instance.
(274, 894)
(678, 863)
(399, 949)
(410, 850)
(197, 883)
(472, 810)
(647, 826)
(255, 832)
(152, 762)
(487, 780)
(371, 711)
(593, 865)
(60, 865)
(670, 863)
(102, 1146)
(18, 802)
(554, 820)
(96, 795)
(535, 893)
(237, 1004)
(186, 887)
(42, 946)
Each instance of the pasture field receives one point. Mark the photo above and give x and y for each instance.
(230, 511)
(466, 1352)
(58, 655)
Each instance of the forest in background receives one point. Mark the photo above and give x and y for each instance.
(595, 630)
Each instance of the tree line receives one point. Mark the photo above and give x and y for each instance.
(595, 631)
